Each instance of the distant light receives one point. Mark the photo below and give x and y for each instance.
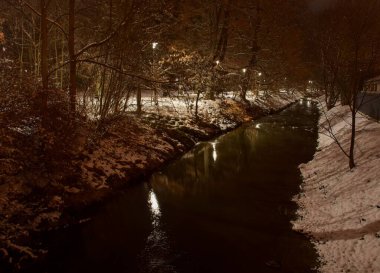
(154, 45)
(244, 70)
(258, 126)
(176, 79)
(4, 48)
(217, 62)
(260, 74)
(310, 81)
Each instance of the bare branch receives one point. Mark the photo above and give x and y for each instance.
(50, 20)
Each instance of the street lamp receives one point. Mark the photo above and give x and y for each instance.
(244, 70)
(260, 74)
(154, 45)
(217, 62)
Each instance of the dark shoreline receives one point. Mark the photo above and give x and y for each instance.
(83, 207)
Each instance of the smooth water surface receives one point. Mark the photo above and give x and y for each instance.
(223, 207)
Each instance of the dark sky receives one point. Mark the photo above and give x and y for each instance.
(318, 5)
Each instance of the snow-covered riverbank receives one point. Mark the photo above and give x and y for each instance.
(339, 207)
(123, 150)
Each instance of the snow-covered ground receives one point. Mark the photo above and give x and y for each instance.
(339, 207)
(183, 105)
(116, 157)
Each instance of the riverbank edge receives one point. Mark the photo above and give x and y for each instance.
(98, 198)
(339, 209)
(26, 253)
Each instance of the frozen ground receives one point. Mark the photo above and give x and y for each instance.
(339, 207)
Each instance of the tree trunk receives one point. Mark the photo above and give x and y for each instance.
(44, 54)
(196, 105)
(353, 133)
(72, 57)
(244, 87)
(138, 98)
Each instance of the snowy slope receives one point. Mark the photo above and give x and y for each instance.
(340, 208)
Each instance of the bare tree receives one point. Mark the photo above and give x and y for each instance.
(351, 56)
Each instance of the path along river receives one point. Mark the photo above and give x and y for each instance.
(225, 206)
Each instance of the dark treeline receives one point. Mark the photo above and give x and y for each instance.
(104, 48)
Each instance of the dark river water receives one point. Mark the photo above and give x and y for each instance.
(225, 206)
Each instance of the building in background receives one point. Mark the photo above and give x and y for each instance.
(372, 85)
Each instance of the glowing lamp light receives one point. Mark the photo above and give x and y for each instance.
(244, 70)
(154, 45)
(260, 74)
(217, 62)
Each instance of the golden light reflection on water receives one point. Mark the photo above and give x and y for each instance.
(153, 203)
(157, 249)
(214, 153)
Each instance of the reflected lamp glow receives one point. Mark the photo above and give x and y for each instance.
(214, 154)
(153, 203)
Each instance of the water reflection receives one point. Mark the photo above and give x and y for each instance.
(227, 198)
(155, 256)
(214, 154)
(154, 208)
(223, 207)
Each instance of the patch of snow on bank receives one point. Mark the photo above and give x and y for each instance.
(340, 208)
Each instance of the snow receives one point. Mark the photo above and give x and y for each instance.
(339, 207)
(149, 144)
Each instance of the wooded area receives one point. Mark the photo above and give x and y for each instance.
(76, 74)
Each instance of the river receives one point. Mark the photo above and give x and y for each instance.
(225, 206)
